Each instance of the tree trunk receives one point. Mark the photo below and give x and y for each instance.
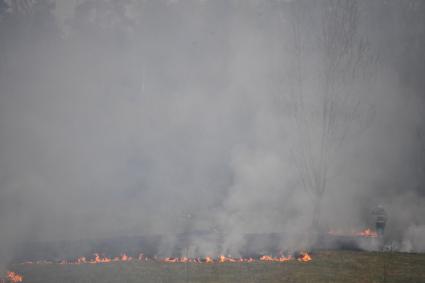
(315, 223)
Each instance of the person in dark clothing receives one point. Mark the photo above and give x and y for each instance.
(380, 219)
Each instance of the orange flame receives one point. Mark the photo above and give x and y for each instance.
(170, 259)
(99, 259)
(275, 259)
(14, 277)
(222, 258)
(180, 260)
(125, 257)
(266, 258)
(304, 257)
(367, 233)
(364, 233)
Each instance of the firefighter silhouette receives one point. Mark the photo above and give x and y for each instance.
(380, 219)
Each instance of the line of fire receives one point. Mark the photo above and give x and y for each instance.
(258, 248)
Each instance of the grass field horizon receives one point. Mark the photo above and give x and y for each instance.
(326, 266)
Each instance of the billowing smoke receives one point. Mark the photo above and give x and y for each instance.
(232, 117)
(414, 239)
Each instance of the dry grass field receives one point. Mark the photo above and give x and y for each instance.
(326, 266)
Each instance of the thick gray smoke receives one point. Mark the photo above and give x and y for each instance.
(163, 117)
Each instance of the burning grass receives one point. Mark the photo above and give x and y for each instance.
(98, 259)
(14, 277)
(326, 266)
(366, 233)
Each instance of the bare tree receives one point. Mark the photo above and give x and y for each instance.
(329, 60)
(21, 6)
(410, 65)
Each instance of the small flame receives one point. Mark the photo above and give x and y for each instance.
(275, 259)
(222, 258)
(304, 257)
(364, 233)
(266, 258)
(170, 259)
(367, 233)
(14, 277)
(99, 259)
(125, 257)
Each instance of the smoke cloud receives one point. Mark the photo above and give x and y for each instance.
(166, 117)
